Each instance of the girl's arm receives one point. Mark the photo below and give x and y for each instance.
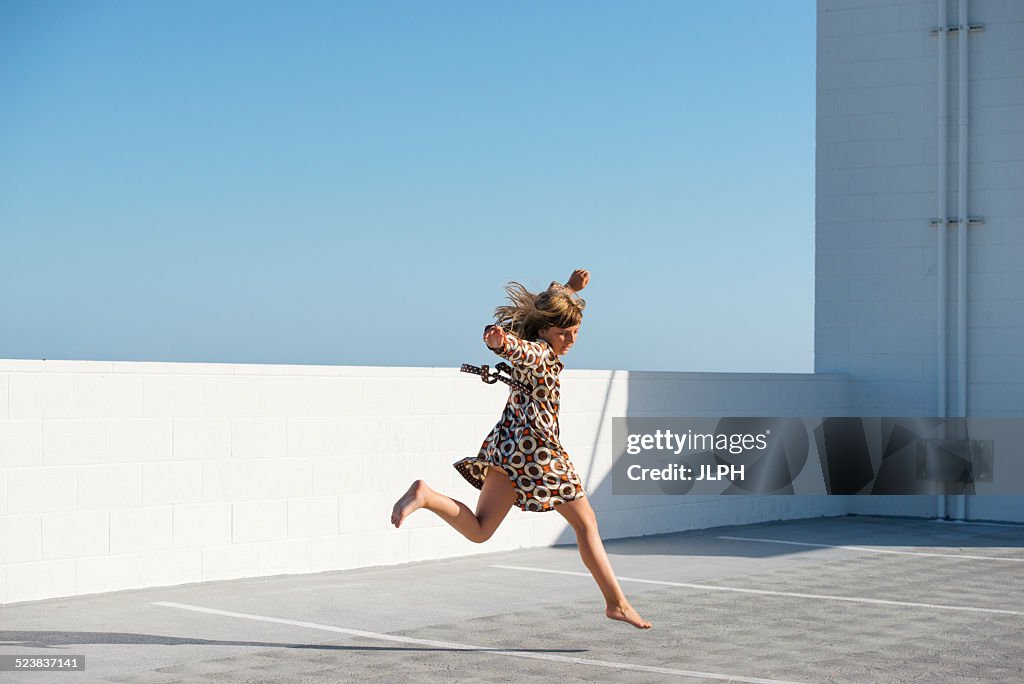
(517, 350)
(578, 280)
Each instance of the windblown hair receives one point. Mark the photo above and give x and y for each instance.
(530, 313)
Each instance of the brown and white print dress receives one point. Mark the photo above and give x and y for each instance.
(525, 442)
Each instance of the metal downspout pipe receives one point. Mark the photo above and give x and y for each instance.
(941, 332)
(962, 224)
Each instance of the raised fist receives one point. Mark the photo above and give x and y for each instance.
(579, 279)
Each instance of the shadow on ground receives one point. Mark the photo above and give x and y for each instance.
(40, 639)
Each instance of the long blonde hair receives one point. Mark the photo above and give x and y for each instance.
(530, 313)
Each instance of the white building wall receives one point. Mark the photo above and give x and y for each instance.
(123, 475)
(877, 171)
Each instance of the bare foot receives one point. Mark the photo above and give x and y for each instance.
(627, 613)
(412, 500)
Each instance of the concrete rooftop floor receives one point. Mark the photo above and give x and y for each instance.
(779, 601)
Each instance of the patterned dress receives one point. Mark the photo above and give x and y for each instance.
(525, 443)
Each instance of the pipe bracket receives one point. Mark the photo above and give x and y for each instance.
(954, 221)
(974, 28)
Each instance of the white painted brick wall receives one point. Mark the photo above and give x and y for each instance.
(109, 396)
(230, 561)
(21, 443)
(22, 536)
(184, 478)
(76, 534)
(257, 438)
(134, 530)
(333, 476)
(313, 517)
(109, 486)
(35, 581)
(74, 442)
(358, 435)
(200, 439)
(174, 482)
(876, 172)
(284, 477)
(230, 481)
(257, 521)
(334, 553)
(285, 557)
(108, 573)
(176, 566)
(5, 385)
(171, 396)
(312, 438)
(42, 395)
(40, 490)
(230, 397)
(133, 441)
(201, 525)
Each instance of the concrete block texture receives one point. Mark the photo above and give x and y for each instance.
(310, 396)
(234, 487)
(312, 437)
(42, 580)
(134, 530)
(101, 395)
(172, 396)
(21, 443)
(287, 557)
(229, 561)
(886, 304)
(38, 395)
(253, 438)
(313, 517)
(258, 521)
(110, 486)
(133, 441)
(230, 397)
(40, 490)
(172, 482)
(201, 439)
(22, 539)
(75, 534)
(75, 442)
(201, 525)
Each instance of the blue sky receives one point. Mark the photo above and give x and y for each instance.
(354, 182)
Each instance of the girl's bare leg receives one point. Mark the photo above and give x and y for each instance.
(581, 517)
(495, 500)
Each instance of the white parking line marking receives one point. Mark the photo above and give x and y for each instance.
(469, 647)
(765, 592)
(865, 548)
(1019, 526)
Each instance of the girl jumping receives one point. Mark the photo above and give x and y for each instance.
(522, 461)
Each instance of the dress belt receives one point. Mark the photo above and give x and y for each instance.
(492, 377)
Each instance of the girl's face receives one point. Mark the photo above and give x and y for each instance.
(560, 339)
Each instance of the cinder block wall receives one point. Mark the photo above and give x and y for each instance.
(876, 192)
(123, 475)
(877, 170)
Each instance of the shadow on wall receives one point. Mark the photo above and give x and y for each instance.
(654, 394)
(786, 522)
